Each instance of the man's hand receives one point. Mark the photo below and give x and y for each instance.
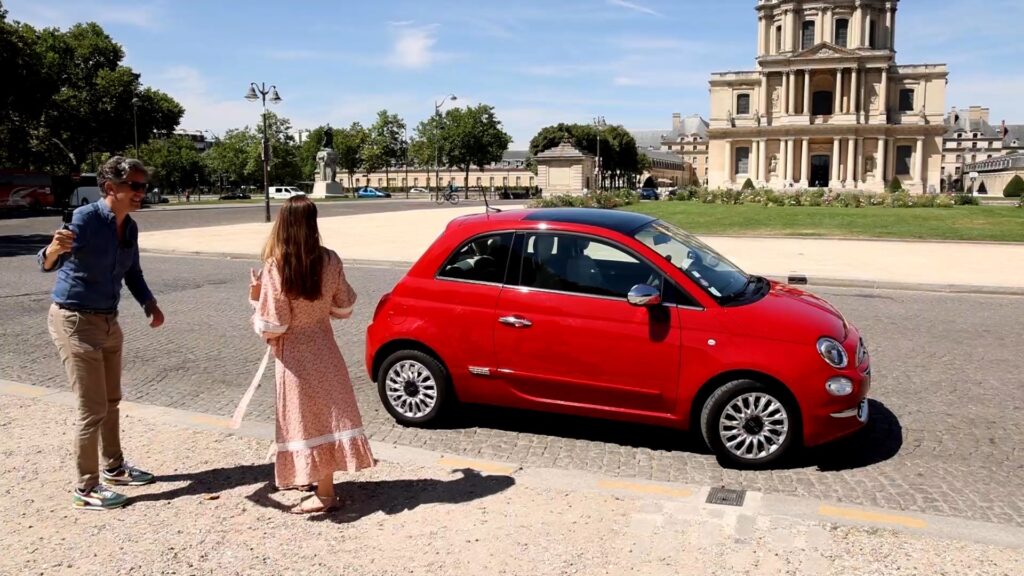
(61, 244)
(153, 311)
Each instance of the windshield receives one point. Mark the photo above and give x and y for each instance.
(709, 269)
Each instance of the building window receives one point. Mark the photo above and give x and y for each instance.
(743, 104)
(416, 181)
(842, 32)
(517, 181)
(974, 144)
(504, 180)
(872, 41)
(989, 156)
(907, 100)
(778, 39)
(958, 157)
(957, 170)
(808, 37)
(380, 181)
(903, 156)
(492, 182)
(821, 103)
(479, 181)
(742, 162)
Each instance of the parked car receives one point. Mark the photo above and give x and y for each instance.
(86, 190)
(648, 193)
(368, 192)
(285, 192)
(418, 190)
(235, 195)
(616, 315)
(23, 189)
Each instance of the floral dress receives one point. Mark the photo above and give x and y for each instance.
(319, 428)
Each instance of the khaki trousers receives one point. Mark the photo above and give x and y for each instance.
(90, 349)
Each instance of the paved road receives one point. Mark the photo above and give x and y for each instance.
(945, 438)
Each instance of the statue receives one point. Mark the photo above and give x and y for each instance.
(328, 141)
(757, 116)
(729, 118)
(869, 164)
(776, 97)
(326, 165)
(774, 164)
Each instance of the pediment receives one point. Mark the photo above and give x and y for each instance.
(826, 50)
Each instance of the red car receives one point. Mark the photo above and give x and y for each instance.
(616, 315)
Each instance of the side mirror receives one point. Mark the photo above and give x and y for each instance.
(644, 295)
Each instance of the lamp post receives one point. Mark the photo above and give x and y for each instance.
(275, 98)
(437, 136)
(600, 124)
(405, 136)
(135, 123)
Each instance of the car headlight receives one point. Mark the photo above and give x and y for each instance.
(832, 352)
(862, 352)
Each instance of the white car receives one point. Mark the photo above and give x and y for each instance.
(86, 190)
(419, 190)
(285, 192)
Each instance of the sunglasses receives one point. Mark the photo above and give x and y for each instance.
(136, 186)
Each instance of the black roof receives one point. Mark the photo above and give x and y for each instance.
(617, 220)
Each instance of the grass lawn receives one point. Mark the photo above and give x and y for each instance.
(985, 223)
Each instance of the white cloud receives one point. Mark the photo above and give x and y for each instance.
(632, 6)
(414, 45)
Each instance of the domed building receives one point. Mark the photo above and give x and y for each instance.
(827, 105)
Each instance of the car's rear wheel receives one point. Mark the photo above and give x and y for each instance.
(749, 425)
(414, 387)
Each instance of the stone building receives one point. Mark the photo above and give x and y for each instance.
(688, 138)
(564, 169)
(509, 172)
(970, 138)
(827, 106)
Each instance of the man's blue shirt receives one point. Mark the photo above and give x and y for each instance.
(89, 277)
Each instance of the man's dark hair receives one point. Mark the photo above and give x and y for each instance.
(117, 169)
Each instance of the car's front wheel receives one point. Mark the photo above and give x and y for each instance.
(414, 387)
(749, 425)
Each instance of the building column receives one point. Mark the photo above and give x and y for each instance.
(807, 92)
(890, 27)
(782, 161)
(883, 94)
(836, 161)
(861, 177)
(919, 163)
(880, 161)
(762, 162)
(857, 27)
(790, 168)
(805, 163)
(851, 162)
(752, 160)
(827, 24)
(728, 162)
(764, 94)
(760, 35)
(785, 31)
(838, 107)
(854, 83)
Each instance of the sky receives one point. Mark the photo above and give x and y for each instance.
(538, 62)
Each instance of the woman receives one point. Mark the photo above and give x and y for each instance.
(301, 287)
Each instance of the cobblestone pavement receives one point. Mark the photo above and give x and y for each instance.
(945, 436)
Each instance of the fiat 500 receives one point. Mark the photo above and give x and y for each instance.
(616, 315)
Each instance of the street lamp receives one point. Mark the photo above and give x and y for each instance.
(275, 98)
(600, 124)
(437, 136)
(135, 123)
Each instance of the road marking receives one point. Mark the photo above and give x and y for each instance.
(218, 421)
(18, 389)
(644, 488)
(489, 467)
(876, 517)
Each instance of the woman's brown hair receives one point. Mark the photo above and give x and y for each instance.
(294, 245)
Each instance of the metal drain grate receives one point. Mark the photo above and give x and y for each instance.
(726, 496)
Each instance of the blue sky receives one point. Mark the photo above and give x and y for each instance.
(538, 62)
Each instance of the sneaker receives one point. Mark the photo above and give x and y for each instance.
(98, 498)
(126, 475)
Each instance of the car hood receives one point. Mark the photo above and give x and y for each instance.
(788, 313)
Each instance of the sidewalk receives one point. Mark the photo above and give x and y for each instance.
(401, 237)
(215, 512)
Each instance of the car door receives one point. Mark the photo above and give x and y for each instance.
(564, 332)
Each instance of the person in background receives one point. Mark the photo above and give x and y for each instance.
(301, 287)
(98, 251)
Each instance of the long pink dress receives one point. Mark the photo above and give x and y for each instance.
(319, 428)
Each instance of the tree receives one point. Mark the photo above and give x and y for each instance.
(175, 162)
(237, 156)
(349, 143)
(474, 137)
(284, 158)
(620, 159)
(387, 145)
(1014, 188)
(307, 151)
(428, 147)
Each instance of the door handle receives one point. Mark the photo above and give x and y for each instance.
(515, 321)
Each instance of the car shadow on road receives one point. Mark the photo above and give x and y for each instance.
(361, 498)
(880, 440)
(22, 244)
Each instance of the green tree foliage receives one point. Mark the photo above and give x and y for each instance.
(175, 162)
(66, 95)
(308, 150)
(1014, 188)
(428, 146)
(237, 157)
(349, 143)
(386, 146)
(621, 161)
(474, 137)
(747, 185)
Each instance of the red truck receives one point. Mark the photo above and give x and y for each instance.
(25, 189)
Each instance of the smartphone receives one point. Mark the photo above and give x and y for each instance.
(66, 215)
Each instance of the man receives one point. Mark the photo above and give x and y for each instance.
(91, 259)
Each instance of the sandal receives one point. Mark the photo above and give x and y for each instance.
(316, 505)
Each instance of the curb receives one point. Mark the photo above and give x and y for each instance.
(693, 499)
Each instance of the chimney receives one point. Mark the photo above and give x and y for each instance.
(977, 113)
(676, 121)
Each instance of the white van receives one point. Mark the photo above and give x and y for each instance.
(285, 192)
(86, 190)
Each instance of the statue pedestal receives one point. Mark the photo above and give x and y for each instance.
(324, 189)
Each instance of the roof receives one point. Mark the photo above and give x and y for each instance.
(622, 222)
(663, 155)
(515, 155)
(692, 124)
(965, 124)
(563, 150)
(1014, 132)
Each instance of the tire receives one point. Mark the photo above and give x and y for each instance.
(414, 388)
(439, 199)
(751, 442)
(454, 198)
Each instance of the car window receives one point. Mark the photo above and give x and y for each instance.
(582, 265)
(482, 259)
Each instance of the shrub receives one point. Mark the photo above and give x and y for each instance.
(900, 199)
(748, 185)
(812, 197)
(895, 185)
(965, 199)
(944, 201)
(730, 197)
(850, 200)
(1014, 188)
(924, 201)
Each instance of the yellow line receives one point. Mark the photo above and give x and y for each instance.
(24, 390)
(217, 421)
(489, 467)
(644, 488)
(865, 516)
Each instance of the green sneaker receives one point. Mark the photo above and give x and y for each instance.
(98, 498)
(126, 475)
